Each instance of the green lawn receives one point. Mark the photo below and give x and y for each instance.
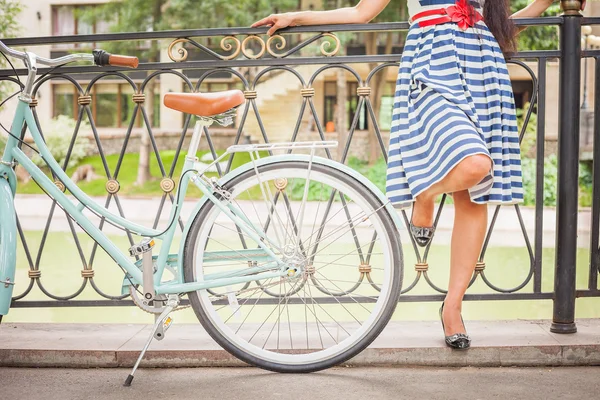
(128, 172)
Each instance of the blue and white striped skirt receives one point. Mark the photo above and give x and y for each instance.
(453, 99)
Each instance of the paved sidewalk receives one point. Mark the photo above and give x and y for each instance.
(337, 383)
(495, 343)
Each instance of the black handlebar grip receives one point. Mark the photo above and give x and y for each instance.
(101, 58)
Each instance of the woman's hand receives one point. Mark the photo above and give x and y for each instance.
(276, 22)
(534, 9)
(362, 13)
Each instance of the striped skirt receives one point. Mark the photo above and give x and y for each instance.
(453, 99)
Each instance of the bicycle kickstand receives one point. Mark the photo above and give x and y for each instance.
(163, 322)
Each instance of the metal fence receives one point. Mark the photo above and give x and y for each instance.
(243, 48)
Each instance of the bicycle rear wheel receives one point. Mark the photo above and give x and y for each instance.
(339, 237)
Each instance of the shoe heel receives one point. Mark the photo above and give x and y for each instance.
(458, 341)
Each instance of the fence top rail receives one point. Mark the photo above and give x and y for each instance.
(590, 21)
(264, 62)
(173, 34)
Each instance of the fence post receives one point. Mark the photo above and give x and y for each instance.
(563, 318)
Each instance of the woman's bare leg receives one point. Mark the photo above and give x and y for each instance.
(470, 224)
(468, 173)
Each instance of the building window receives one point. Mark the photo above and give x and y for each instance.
(112, 105)
(67, 20)
(65, 100)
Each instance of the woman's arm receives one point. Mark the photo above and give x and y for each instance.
(533, 10)
(362, 13)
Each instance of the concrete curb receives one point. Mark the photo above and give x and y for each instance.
(109, 346)
(524, 356)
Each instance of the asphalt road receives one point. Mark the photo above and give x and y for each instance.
(338, 383)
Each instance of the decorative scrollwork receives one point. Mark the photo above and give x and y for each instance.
(228, 47)
(274, 45)
(249, 55)
(325, 45)
(183, 53)
(279, 46)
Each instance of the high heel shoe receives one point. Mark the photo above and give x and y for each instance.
(421, 234)
(458, 341)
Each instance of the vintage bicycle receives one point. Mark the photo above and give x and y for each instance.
(291, 262)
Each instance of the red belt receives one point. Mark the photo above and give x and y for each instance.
(454, 13)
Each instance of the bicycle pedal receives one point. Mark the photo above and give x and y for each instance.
(144, 246)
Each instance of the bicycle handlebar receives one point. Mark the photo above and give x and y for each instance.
(11, 52)
(98, 57)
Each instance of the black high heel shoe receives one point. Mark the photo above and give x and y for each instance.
(421, 234)
(458, 341)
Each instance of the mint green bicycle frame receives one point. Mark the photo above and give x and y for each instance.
(273, 266)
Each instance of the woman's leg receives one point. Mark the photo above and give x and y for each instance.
(468, 173)
(470, 224)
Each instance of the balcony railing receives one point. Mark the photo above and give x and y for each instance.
(269, 56)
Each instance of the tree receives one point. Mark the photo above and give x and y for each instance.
(155, 15)
(537, 37)
(9, 10)
(9, 27)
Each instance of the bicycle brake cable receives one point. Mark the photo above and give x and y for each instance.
(16, 93)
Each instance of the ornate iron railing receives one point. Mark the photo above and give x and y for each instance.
(273, 55)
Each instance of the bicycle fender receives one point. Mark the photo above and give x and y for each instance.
(289, 157)
(8, 245)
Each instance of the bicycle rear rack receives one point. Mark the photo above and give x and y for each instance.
(247, 148)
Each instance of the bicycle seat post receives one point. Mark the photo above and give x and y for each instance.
(195, 142)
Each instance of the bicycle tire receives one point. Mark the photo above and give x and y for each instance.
(388, 308)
